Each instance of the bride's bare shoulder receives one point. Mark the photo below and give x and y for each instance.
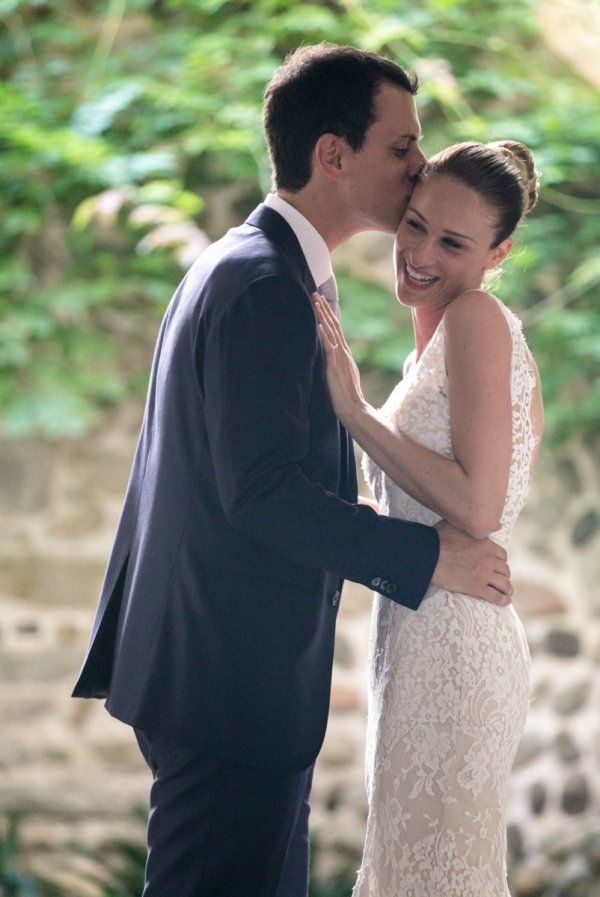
(475, 311)
(474, 301)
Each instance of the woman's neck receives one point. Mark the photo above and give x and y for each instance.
(425, 322)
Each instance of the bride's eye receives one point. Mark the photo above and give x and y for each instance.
(452, 244)
(414, 224)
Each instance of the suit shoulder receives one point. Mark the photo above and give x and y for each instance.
(243, 255)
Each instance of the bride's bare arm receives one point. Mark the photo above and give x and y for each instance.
(468, 491)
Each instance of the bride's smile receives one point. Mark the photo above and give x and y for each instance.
(416, 279)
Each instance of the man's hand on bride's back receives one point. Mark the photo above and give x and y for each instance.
(476, 567)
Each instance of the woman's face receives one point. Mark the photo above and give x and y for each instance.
(443, 243)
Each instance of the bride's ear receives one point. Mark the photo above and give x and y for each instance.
(499, 253)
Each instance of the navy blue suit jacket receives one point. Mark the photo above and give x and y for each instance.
(217, 614)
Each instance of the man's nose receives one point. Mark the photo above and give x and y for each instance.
(417, 161)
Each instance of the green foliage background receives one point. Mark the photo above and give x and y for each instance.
(122, 122)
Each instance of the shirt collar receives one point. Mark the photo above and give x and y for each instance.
(311, 242)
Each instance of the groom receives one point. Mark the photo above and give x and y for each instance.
(215, 629)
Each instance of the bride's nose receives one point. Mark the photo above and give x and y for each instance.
(420, 255)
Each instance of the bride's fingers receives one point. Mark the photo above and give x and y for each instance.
(329, 315)
(323, 310)
(325, 315)
(327, 331)
(322, 305)
(328, 342)
(326, 325)
(502, 568)
(502, 585)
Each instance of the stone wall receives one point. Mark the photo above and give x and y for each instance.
(75, 774)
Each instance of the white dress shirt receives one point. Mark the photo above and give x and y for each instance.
(311, 242)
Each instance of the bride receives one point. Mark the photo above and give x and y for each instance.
(456, 440)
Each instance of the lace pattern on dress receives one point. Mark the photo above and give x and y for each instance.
(448, 684)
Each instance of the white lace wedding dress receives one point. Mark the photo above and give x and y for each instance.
(449, 683)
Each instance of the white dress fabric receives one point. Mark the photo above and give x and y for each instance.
(449, 683)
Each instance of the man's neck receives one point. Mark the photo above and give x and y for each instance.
(321, 212)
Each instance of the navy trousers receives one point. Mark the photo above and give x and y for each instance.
(217, 830)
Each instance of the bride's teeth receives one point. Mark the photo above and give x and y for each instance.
(418, 278)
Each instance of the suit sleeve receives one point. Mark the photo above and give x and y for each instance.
(261, 355)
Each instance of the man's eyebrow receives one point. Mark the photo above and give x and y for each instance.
(453, 233)
(415, 137)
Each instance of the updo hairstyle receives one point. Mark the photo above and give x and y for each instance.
(502, 172)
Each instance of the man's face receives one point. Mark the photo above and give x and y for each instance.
(381, 176)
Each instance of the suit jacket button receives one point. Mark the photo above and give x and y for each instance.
(376, 582)
(392, 588)
(335, 599)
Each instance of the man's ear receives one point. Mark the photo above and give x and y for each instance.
(497, 255)
(328, 152)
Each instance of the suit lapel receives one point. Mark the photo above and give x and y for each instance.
(278, 230)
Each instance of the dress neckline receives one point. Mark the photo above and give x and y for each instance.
(425, 351)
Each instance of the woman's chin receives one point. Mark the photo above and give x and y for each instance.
(409, 297)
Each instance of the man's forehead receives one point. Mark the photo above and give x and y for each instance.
(396, 110)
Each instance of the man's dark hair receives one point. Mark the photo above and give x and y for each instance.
(322, 89)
